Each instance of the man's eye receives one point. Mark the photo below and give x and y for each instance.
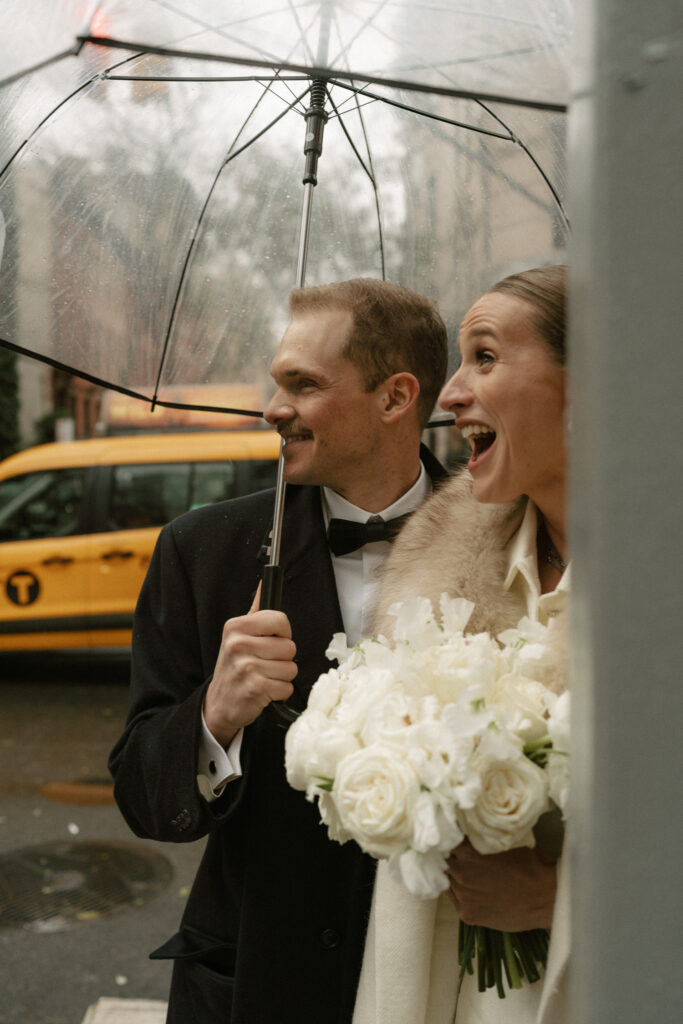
(484, 357)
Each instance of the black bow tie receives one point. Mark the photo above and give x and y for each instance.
(344, 536)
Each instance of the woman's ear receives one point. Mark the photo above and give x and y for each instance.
(399, 394)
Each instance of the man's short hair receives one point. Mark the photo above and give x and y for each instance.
(394, 330)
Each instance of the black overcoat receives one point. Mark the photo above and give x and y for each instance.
(275, 923)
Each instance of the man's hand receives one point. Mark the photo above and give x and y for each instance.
(255, 666)
(513, 891)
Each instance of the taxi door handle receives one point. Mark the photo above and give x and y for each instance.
(57, 560)
(117, 554)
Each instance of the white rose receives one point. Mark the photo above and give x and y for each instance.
(359, 695)
(313, 749)
(521, 705)
(329, 816)
(391, 721)
(514, 793)
(326, 692)
(423, 874)
(375, 790)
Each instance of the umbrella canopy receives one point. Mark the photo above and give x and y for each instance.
(151, 166)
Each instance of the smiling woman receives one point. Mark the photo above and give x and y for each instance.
(508, 398)
(495, 535)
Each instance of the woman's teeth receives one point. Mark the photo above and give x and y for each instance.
(480, 437)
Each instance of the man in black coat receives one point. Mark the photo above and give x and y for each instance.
(274, 927)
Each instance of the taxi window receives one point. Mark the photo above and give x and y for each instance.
(43, 504)
(148, 495)
(212, 481)
(153, 494)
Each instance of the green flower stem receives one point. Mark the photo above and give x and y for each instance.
(498, 961)
(466, 937)
(520, 954)
(511, 968)
(481, 959)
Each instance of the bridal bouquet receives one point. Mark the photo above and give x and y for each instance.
(434, 735)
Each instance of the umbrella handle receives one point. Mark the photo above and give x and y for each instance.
(271, 588)
(271, 597)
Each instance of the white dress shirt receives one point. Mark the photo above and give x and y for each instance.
(522, 576)
(357, 576)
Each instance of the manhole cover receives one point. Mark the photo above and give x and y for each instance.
(53, 887)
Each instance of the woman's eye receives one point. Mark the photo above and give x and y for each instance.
(484, 357)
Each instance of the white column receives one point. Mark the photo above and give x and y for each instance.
(626, 330)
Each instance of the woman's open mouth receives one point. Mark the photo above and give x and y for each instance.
(481, 439)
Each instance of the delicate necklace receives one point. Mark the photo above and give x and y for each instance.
(550, 552)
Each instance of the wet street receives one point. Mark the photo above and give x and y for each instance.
(82, 900)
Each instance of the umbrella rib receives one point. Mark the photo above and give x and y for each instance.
(363, 25)
(302, 34)
(425, 113)
(100, 382)
(72, 51)
(54, 110)
(374, 186)
(205, 26)
(368, 170)
(523, 146)
(207, 78)
(231, 155)
(188, 256)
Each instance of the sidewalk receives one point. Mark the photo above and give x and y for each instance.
(126, 1011)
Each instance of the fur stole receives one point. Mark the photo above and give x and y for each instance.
(455, 544)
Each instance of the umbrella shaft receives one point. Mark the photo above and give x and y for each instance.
(304, 235)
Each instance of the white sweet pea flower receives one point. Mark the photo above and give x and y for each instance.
(375, 791)
(423, 874)
(340, 651)
(415, 623)
(438, 755)
(377, 654)
(527, 631)
(455, 613)
(434, 824)
(514, 793)
(558, 759)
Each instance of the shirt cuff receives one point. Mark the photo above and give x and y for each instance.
(216, 766)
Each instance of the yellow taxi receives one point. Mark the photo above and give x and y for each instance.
(79, 520)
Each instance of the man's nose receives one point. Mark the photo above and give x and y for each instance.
(454, 393)
(278, 410)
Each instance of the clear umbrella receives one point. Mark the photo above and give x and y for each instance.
(151, 166)
(151, 190)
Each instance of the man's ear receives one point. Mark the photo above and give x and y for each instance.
(399, 394)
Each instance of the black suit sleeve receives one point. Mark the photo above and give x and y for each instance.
(154, 764)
